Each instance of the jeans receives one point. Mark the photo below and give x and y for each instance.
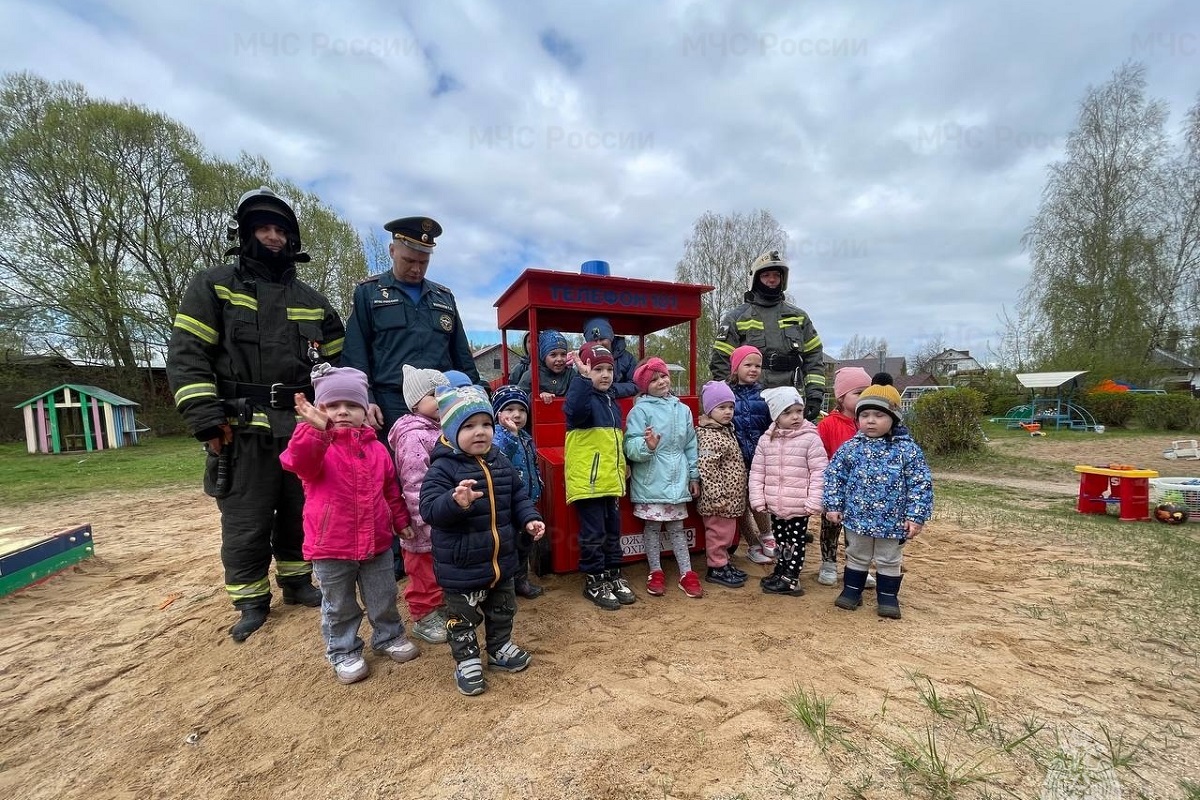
(340, 613)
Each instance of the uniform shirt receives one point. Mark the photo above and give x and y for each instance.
(387, 330)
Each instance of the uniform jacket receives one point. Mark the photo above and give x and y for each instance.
(555, 383)
(723, 477)
(352, 504)
(520, 450)
(751, 417)
(788, 473)
(595, 458)
(386, 331)
(792, 350)
(835, 429)
(661, 475)
(245, 323)
(412, 439)
(474, 548)
(877, 484)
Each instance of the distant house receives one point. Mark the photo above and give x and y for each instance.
(950, 363)
(894, 365)
(489, 363)
(1177, 372)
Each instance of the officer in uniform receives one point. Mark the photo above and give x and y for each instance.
(243, 344)
(401, 318)
(791, 348)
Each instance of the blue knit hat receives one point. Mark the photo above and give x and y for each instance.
(457, 378)
(510, 394)
(597, 328)
(551, 339)
(456, 406)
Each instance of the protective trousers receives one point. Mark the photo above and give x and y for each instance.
(261, 517)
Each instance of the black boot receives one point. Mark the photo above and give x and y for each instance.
(298, 590)
(597, 589)
(777, 584)
(852, 589)
(620, 588)
(887, 589)
(252, 619)
(525, 588)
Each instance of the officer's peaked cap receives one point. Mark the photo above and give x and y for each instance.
(418, 233)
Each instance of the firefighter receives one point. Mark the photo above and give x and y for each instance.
(243, 344)
(399, 318)
(791, 348)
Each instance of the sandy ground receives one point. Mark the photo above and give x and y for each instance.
(108, 691)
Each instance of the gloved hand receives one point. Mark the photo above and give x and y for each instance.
(812, 407)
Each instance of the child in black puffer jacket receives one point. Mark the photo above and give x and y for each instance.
(472, 499)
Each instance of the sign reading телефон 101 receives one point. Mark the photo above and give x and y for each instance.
(613, 298)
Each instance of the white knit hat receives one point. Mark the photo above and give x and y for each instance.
(420, 382)
(780, 399)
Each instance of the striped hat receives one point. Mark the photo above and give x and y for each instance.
(456, 406)
(506, 395)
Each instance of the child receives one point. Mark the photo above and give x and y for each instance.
(600, 330)
(879, 487)
(835, 429)
(412, 439)
(522, 365)
(723, 482)
(660, 445)
(786, 478)
(553, 375)
(595, 474)
(352, 511)
(473, 500)
(751, 418)
(512, 412)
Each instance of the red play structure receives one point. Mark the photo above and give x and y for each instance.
(541, 299)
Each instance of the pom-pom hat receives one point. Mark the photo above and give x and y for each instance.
(880, 398)
(420, 382)
(456, 406)
(506, 395)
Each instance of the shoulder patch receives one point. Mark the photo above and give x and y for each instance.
(370, 279)
(437, 287)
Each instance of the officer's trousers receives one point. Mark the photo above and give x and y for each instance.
(261, 516)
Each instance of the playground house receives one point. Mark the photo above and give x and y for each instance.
(73, 417)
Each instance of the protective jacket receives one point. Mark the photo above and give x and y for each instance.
(474, 548)
(352, 504)
(242, 331)
(788, 473)
(791, 348)
(594, 456)
(387, 330)
(661, 475)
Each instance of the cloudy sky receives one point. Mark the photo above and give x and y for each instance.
(902, 145)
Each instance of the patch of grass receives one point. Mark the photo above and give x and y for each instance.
(929, 763)
(812, 711)
(928, 693)
(1191, 789)
(155, 462)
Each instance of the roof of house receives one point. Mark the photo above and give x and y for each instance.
(1047, 380)
(895, 365)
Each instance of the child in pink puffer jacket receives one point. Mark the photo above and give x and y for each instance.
(787, 478)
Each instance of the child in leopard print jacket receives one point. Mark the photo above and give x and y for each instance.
(723, 482)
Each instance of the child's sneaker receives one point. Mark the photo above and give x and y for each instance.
(725, 576)
(767, 541)
(620, 588)
(736, 573)
(352, 670)
(596, 588)
(656, 584)
(690, 583)
(773, 584)
(468, 675)
(401, 650)
(757, 556)
(431, 628)
(509, 658)
(828, 574)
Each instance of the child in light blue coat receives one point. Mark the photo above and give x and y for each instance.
(660, 446)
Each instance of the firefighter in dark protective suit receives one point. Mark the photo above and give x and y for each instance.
(401, 318)
(792, 354)
(243, 344)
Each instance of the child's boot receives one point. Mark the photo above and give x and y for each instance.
(620, 588)
(886, 595)
(597, 589)
(777, 584)
(854, 582)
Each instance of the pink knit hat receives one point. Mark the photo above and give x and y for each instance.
(713, 393)
(647, 371)
(739, 355)
(331, 384)
(850, 379)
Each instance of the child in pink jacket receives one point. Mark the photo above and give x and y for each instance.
(412, 439)
(352, 512)
(787, 478)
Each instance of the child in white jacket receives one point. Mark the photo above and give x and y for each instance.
(787, 478)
